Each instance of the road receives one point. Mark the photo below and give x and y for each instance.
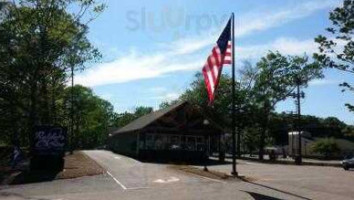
(127, 178)
(313, 182)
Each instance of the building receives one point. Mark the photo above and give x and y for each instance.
(180, 131)
(306, 142)
(346, 147)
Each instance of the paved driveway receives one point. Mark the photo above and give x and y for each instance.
(131, 174)
(130, 179)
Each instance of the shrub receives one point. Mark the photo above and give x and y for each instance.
(326, 146)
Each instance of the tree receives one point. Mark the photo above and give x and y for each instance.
(92, 116)
(40, 40)
(337, 51)
(250, 139)
(277, 78)
(326, 146)
(166, 104)
(142, 110)
(220, 111)
(197, 94)
(125, 118)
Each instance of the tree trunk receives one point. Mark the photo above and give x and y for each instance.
(33, 111)
(261, 143)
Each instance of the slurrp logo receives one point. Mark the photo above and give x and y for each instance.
(171, 21)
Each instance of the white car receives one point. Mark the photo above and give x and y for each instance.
(348, 163)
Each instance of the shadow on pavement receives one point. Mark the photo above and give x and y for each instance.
(17, 196)
(257, 196)
(209, 162)
(275, 189)
(33, 177)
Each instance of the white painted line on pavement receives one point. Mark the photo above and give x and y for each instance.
(119, 183)
(169, 180)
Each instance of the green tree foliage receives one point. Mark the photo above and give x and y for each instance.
(92, 117)
(337, 50)
(142, 110)
(326, 146)
(197, 94)
(166, 104)
(277, 78)
(250, 139)
(281, 123)
(40, 40)
(220, 111)
(258, 91)
(125, 118)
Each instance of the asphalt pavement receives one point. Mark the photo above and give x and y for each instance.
(130, 179)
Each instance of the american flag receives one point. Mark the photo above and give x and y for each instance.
(220, 55)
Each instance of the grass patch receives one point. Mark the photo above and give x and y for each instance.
(200, 172)
(78, 165)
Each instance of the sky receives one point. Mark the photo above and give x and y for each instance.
(153, 48)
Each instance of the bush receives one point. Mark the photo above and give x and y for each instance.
(326, 146)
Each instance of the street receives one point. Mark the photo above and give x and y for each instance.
(127, 178)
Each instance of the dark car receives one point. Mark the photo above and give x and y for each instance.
(348, 163)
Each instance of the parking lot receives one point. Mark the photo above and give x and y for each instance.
(126, 178)
(313, 182)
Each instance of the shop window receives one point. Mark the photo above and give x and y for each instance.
(150, 141)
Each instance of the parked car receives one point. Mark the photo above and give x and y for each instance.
(348, 163)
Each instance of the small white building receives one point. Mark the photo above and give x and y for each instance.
(345, 146)
(306, 142)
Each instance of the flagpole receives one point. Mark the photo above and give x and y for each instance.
(234, 172)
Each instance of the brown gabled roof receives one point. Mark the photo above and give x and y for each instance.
(145, 120)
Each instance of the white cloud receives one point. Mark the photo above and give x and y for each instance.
(190, 45)
(259, 21)
(184, 55)
(157, 89)
(134, 67)
(167, 96)
(253, 22)
(287, 46)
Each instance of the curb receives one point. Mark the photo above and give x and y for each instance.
(292, 163)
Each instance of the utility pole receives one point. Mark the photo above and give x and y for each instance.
(298, 95)
(72, 111)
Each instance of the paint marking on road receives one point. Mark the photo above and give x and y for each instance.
(116, 180)
(169, 180)
(117, 157)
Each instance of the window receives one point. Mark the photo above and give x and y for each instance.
(149, 141)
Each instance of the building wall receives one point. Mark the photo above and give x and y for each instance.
(293, 145)
(160, 141)
(125, 144)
